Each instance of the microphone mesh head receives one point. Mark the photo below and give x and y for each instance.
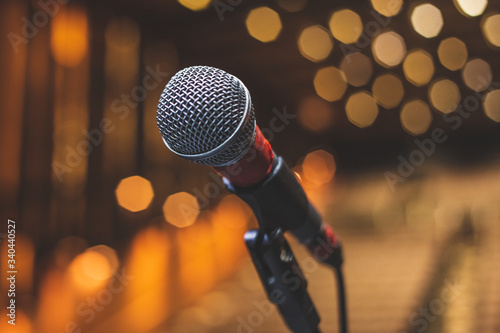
(206, 115)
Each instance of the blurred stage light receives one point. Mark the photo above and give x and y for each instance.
(91, 270)
(491, 105)
(388, 90)
(427, 20)
(292, 6)
(471, 8)
(477, 74)
(491, 29)
(389, 49)
(69, 36)
(134, 193)
(330, 83)
(357, 68)
(195, 5)
(444, 95)
(315, 43)
(418, 67)
(315, 114)
(452, 53)
(181, 209)
(233, 212)
(346, 26)
(387, 8)
(361, 109)
(263, 24)
(416, 117)
(319, 167)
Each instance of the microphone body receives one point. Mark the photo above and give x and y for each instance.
(205, 115)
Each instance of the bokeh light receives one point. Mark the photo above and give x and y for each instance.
(357, 68)
(491, 105)
(361, 109)
(134, 193)
(181, 209)
(315, 43)
(263, 24)
(69, 36)
(346, 26)
(471, 8)
(389, 49)
(388, 90)
(416, 117)
(233, 212)
(292, 6)
(195, 5)
(427, 20)
(418, 67)
(452, 53)
(491, 29)
(91, 269)
(387, 8)
(315, 114)
(477, 74)
(444, 95)
(330, 83)
(319, 167)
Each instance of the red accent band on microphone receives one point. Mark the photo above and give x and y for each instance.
(254, 166)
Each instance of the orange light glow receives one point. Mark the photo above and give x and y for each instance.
(146, 292)
(418, 67)
(90, 270)
(416, 117)
(69, 38)
(181, 209)
(24, 263)
(427, 20)
(387, 8)
(319, 167)
(491, 29)
(357, 68)
(477, 74)
(361, 109)
(389, 49)
(388, 90)
(346, 26)
(134, 193)
(56, 292)
(452, 53)
(195, 5)
(23, 323)
(330, 83)
(315, 43)
(263, 24)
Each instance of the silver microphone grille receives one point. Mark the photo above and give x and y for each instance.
(206, 115)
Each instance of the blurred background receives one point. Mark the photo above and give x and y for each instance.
(388, 111)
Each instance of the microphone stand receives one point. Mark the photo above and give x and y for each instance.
(282, 279)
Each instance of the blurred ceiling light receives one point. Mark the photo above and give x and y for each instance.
(69, 36)
(477, 74)
(418, 67)
(444, 95)
(471, 8)
(330, 83)
(361, 109)
(389, 49)
(181, 209)
(427, 20)
(452, 53)
(315, 114)
(387, 8)
(292, 6)
(319, 167)
(195, 5)
(263, 24)
(357, 68)
(109, 254)
(122, 33)
(416, 117)
(491, 105)
(315, 43)
(388, 90)
(346, 26)
(491, 29)
(134, 193)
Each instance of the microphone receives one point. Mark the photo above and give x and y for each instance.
(206, 115)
